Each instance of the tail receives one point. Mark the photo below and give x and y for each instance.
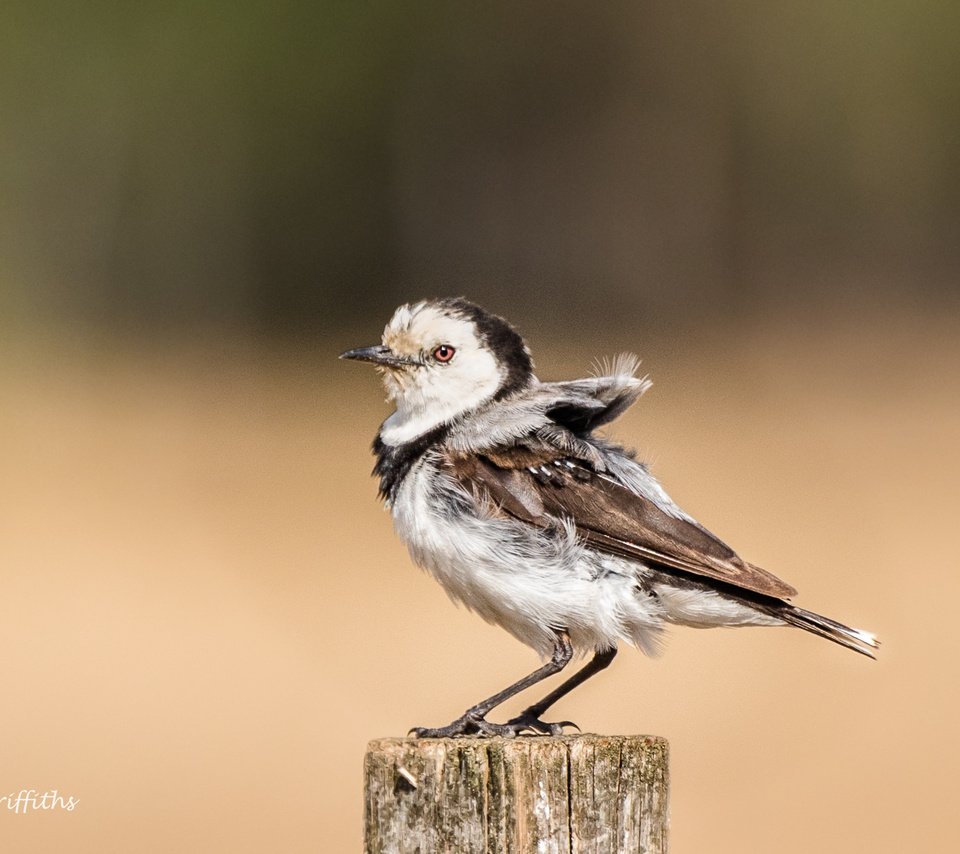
(859, 641)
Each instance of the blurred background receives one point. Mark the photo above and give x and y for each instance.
(205, 614)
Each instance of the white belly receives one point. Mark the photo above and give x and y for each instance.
(529, 581)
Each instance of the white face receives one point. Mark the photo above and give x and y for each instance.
(452, 371)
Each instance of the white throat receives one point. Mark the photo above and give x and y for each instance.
(440, 396)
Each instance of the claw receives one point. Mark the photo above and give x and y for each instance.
(460, 727)
(468, 725)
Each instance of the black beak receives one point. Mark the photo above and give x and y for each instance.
(378, 354)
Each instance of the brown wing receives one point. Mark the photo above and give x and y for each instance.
(608, 516)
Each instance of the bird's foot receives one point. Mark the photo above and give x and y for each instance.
(528, 722)
(471, 724)
(467, 724)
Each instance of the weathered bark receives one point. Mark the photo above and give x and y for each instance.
(584, 794)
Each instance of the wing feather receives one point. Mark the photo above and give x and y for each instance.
(608, 516)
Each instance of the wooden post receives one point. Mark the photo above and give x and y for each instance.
(565, 795)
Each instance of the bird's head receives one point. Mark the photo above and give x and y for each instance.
(441, 358)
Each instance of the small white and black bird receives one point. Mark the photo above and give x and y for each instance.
(501, 489)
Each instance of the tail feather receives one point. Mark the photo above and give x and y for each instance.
(856, 639)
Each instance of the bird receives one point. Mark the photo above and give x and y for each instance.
(504, 492)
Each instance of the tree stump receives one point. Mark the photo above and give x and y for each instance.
(564, 795)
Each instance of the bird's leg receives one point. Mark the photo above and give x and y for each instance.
(473, 720)
(529, 718)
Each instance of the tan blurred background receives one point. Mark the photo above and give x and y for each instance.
(204, 614)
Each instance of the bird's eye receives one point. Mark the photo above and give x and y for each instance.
(444, 353)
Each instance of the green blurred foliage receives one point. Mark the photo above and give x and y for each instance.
(292, 164)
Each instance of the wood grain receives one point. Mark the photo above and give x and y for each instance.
(583, 794)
